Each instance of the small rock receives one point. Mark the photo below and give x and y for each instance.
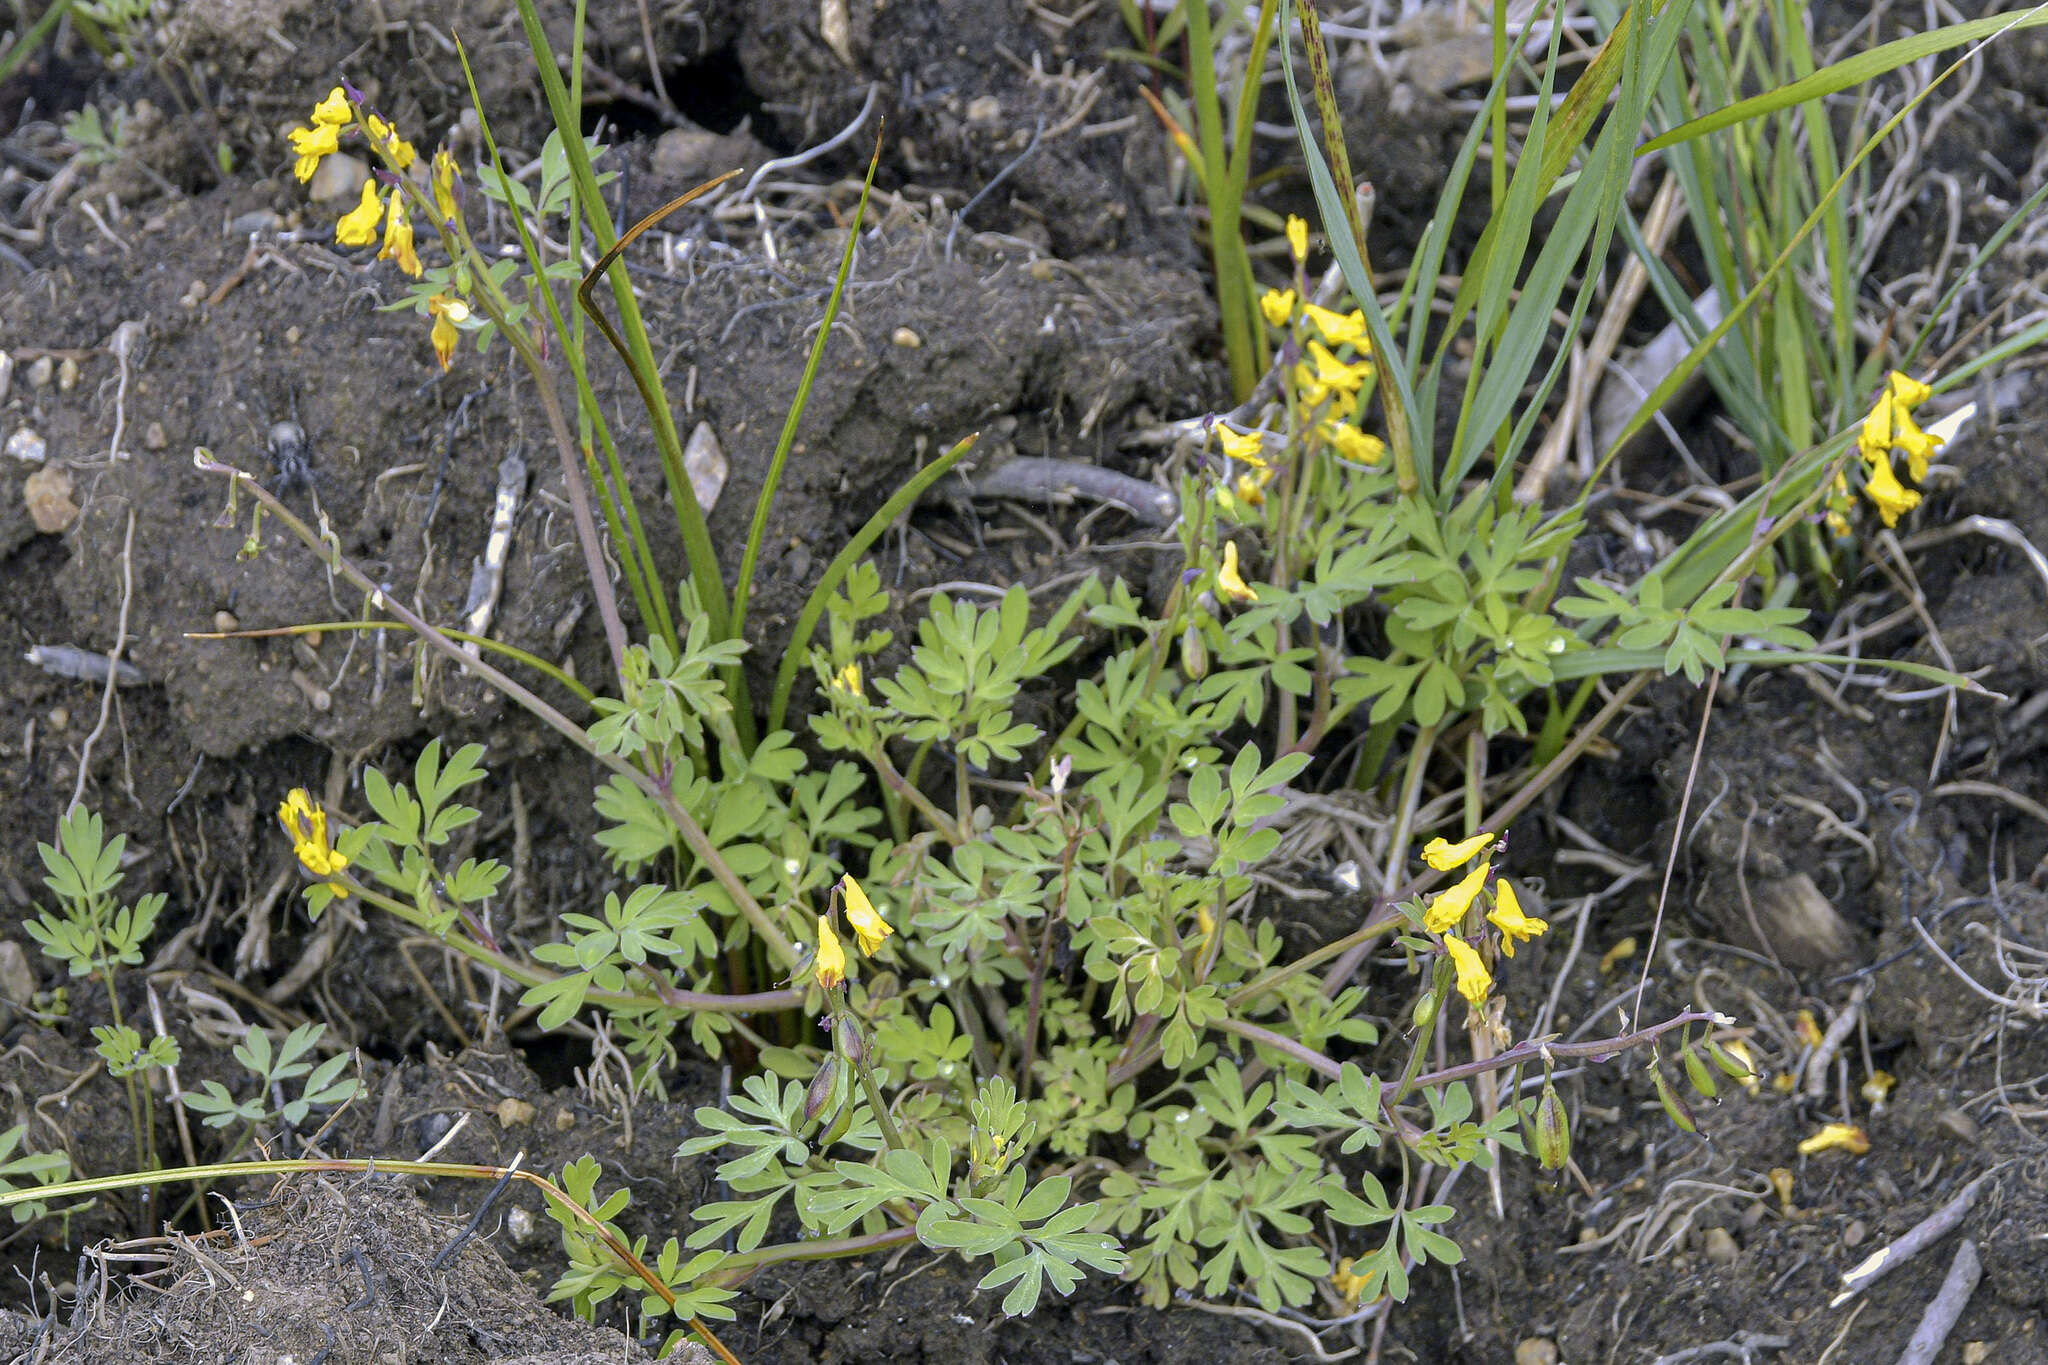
(338, 177)
(906, 338)
(686, 153)
(28, 446)
(521, 1225)
(67, 374)
(48, 495)
(984, 109)
(1720, 1247)
(564, 1120)
(514, 1112)
(17, 981)
(1535, 1351)
(58, 718)
(705, 464)
(258, 220)
(41, 371)
(1958, 1124)
(1853, 1235)
(1976, 1352)
(294, 334)
(226, 621)
(153, 437)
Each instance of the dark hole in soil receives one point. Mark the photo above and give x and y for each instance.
(712, 94)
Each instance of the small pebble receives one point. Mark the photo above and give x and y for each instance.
(521, 1225)
(1961, 1125)
(705, 466)
(28, 446)
(67, 375)
(1976, 1352)
(58, 718)
(1853, 1235)
(514, 1112)
(564, 1120)
(1720, 1247)
(1535, 1351)
(226, 620)
(257, 220)
(338, 177)
(48, 495)
(293, 335)
(41, 371)
(153, 437)
(906, 338)
(984, 109)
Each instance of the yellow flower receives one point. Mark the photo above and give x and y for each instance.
(1338, 329)
(1877, 1087)
(1350, 1286)
(1443, 855)
(831, 960)
(1297, 237)
(1277, 305)
(358, 227)
(1231, 583)
(386, 138)
(1846, 1136)
(334, 111)
(444, 183)
(447, 311)
(1249, 447)
(309, 145)
(847, 679)
(1450, 906)
(1909, 392)
(1883, 488)
(1474, 981)
(1507, 917)
(1322, 374)
(306, 823)
(1354, 445)
(398, 238)
(1251, 486)
(867, 923)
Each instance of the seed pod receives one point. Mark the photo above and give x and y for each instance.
(1674, 1107)
(1696, 1072)
(852, 1046)
(1427, 1005)
(1194, 653)
(1553, 1130)
(1733, 1067)
(822, 1086)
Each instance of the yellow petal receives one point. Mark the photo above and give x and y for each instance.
(1247, 447)
(444, 183)
(334, 111)
(1297, 237)
(1882, 487)
(831, 960)
(1875, 440)
(861, 914)
(1337, 373)
(1251, 486)
(310, 144)
(1229, 582)
(1338, 329)
(398, 238)
(847, 679)
(1450, 906)
(358, 227)
(1277, 305)
(1909, 392)
(1474, 981)
(1357, 446)
(1348, 1285)
(1508, 917)
(1444, 855)
(1846, 1136)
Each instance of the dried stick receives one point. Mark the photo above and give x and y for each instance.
(1940, 1318)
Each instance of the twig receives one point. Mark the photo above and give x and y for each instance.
(1940, 1318)
(1823, 1059)
(783, 163)
(113, 664)
(1915, 1240)
(1740, 1346)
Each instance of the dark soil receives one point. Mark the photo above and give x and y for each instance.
(1065, 314)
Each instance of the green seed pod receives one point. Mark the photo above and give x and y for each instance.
(1194, 653)
(1674, 1107)
(852, 1045)
(1553, 1130)
(822, 1087)
(1731, 1065)
(1696, 1072)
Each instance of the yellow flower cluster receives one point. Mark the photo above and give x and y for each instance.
(1890, 426)
(868, 926)
(306, 823)
(358, 227)
(1448, 909)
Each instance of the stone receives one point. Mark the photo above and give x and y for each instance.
(48, 495)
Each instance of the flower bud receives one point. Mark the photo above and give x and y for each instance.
(1194, 653)
(1553, 1130)
(852, 1045)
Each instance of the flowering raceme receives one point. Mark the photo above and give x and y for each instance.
(1888, 427)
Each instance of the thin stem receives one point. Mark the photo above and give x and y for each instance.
(693, 834)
